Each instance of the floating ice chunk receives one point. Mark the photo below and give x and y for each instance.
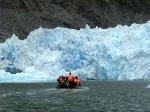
(148, 86)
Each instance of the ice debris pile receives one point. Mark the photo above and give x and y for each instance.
(120, 53)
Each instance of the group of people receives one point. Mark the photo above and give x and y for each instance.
(69, 81)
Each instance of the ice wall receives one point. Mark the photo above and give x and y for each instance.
(120, 53)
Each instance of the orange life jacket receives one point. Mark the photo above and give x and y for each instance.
(70, 77)
(78, 82)
(75, 80)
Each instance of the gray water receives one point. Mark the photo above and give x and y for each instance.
(95, 96)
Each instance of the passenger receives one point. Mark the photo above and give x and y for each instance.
(70, 80)
(78, 80)
(70, 77)
(62, 81)
(75, 80)
(63, 77)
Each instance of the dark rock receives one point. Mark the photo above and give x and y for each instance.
(22, 16)
(13, 70)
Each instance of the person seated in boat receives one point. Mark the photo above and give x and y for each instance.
(63, 77)
(61, 81)
(77, 80)
(70, 79)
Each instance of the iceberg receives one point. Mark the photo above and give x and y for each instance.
(120, 53)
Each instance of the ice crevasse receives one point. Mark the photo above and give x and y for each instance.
(120, 53)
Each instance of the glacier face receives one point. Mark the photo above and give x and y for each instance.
(120, 53)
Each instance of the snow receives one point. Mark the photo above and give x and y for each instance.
(120, 53)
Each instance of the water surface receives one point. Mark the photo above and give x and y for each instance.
(96, 96)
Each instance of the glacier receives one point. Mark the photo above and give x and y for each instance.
(120, 53)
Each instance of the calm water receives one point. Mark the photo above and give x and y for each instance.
(96, 96)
